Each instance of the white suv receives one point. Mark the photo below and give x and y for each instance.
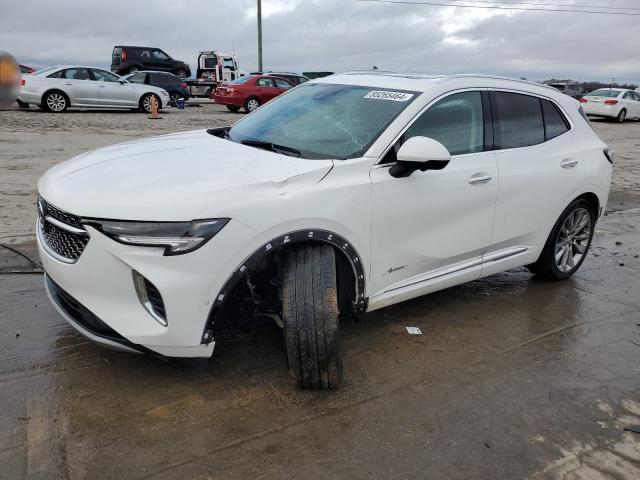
(347, 194)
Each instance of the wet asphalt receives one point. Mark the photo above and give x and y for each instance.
(512, 378)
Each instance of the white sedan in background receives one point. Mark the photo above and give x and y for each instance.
(617, 103)
(57, 88)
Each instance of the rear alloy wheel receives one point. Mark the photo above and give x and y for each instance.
(233, 108)
(310, 316)
(55, 102)
(181, 72)
(173, 98)
(145, 103)
(568, 242)
(621, 116)
(251, 104)
(133, 70)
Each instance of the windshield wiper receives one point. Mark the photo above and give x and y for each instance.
(292, 152)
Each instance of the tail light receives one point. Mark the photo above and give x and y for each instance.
(611, 102)
(123, 55)
(583, 100)
(183, 85)
(23, 82)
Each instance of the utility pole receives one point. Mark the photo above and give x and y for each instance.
(259, 35)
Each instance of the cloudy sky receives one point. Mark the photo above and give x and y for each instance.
(302, 35)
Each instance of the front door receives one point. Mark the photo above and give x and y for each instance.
(111, 91)
(429, 230)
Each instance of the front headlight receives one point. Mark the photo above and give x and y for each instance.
(176, 237)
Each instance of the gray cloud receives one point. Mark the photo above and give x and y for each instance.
(302, 35)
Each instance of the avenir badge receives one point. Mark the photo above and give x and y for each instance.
(386, 95)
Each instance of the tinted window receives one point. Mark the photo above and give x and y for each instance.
(554, 122)
(104, 76)
(282, 83)
(137, 77)
(455, 121)
(264, 82)
(160, 55)
(517, 120)
(72, 74)
(628, 96)
(159, 79)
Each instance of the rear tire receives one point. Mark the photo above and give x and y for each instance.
(233, 108)
(621, 116)
(55, 101)
(310, 316)
(182, 73)
(563, 238)
(251, 104)
(133, 70)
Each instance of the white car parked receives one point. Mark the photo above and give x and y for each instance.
(617, 103)
(347, 194)
(57, 88)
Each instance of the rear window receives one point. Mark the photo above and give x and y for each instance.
(117, 51)
(240, 80)
(605, 92)
(518, 120)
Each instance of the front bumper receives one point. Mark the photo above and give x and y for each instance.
(101, 281)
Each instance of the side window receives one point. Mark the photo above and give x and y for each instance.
(554, 121)
(75, 74)
(144, 54)
(156, 79)
(159, 55)
(56, 74)
(264, 82)
(137, 77)
(282, 83)
(104, 76)
(636, 96)
(455, 121)
(628, 96)
(517, 120)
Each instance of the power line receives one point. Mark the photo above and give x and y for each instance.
(443, 3)
(563, 5)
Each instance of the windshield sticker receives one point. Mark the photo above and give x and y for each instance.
(385, 95)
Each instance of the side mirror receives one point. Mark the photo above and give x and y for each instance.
(420, 153)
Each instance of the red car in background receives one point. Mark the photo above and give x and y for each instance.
(250, 91)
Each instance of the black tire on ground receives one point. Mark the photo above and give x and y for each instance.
(546, 266)
(145, 104)
(173, 98)
(621, 116)
(310, 316)
(233, 108)
(22, 104)
(250, 106)
(55, 101)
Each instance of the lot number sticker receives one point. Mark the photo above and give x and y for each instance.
(385, 95)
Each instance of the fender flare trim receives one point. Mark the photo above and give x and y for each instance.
(297, 236)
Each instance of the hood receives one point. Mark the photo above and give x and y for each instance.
(174, 177)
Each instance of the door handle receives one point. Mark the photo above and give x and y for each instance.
(569, 163)
(69, 84)
(101, 86)
(479, 178)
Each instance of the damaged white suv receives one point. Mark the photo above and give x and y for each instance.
(346, 194)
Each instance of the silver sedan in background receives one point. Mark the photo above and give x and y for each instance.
(57, 88)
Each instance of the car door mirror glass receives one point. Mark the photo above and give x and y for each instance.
(420, 153)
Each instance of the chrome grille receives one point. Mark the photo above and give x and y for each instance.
(62, 233)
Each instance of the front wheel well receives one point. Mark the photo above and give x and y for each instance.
(255, 287)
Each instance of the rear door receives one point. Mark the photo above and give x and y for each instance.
(282, 85)
(539, 172)
(160, 61)
(78, 84)
(266, 89)
(111, 92)
(629, 102)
